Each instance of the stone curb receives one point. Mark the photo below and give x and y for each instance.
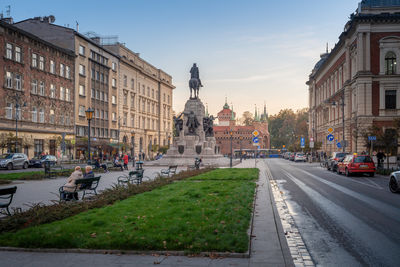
(281, 234)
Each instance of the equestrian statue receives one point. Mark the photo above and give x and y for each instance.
(194, 82)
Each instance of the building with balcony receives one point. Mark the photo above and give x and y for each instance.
(357, 84)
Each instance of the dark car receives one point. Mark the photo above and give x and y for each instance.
(39, 162)
(333, 161)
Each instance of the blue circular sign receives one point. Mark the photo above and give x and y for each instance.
(330, 137)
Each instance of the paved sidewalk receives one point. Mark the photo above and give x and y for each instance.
(269, 247)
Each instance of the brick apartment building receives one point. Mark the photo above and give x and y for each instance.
(36, 95)
(361, 73)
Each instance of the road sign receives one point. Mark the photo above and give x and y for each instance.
(255, 133)
(311, 139)
(311, 144)
(302, 142)
(371, 138)
(330, 130)
(330, 137)
(339, 145)
(255, 140)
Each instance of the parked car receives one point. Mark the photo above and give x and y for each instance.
(357, 164)
(394, 182)
(333, 161)
(292, 155)
(286, 155)
(300, 157)
(39, 162)
(14, 160)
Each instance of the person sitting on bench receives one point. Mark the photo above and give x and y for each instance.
(98, 165)
(117, 164)
(69, 186)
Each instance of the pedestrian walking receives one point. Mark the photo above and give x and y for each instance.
(126, 160)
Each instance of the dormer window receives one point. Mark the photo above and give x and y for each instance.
(390, 63)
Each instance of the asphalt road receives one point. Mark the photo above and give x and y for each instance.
(344, 221)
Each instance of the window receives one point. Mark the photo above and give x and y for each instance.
(97, 113)
(168, 99)
(67, 95)
(9, 111)
(126, 99)
(390, 99)
(113, 100)
(114, 66)
(390, 63)
(52, 91)
(97, 94)
(8, 79)
(62, 119)
(68, 72)
(125, 119)
(132, 100)
(132, 84)
(114, 82)
(125, 81)
(34, 60)
(81, 111)
(106, 115)
(101, 96)
(52, 116)
(93, 74)
(102, 77)
(81, 90)
(148, 91)
(132, 120)
(62, 93)
(9, 51)
(106, 97)
(114, 116)
(18, 56)
(102, 114)
(52, 67)
(41, 63)
(82, 70)
(41, 88)
(18, 81)
(97, 75)
(152, 93)
(81, 50)
(164, 97)
(34, 114)
(41, 115)
(34, 87)
(92, 93)
(38, 147)
(62, 69)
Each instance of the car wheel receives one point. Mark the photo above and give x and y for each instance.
(347, 172)
(371, 174)
(9, 166)
(393, 185)
(25, 166)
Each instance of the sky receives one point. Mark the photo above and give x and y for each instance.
(248, 52)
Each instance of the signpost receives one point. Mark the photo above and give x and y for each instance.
(330, 139)
(302, 142)
(255, 141)
(372, 139)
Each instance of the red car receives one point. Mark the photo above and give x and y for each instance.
(357, 164)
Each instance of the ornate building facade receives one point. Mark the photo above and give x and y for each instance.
(241, 135)
(37, 94)
(358, 78)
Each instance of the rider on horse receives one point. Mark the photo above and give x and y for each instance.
(194, 83)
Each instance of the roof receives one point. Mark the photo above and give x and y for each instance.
(36, 38)
(380, 3)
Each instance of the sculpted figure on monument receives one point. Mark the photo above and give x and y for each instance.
(194, 82)
(192, 122)
(208, 124)
(178, 124)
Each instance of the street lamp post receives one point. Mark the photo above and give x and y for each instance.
(240, 140)
(169, 141)
(119, 127)
(133, 144)
(342, 105)
(89, 116)
(17, 99)
(231, 134)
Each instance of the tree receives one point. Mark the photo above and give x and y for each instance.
(247, 118)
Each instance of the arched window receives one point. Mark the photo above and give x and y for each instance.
(390, 63)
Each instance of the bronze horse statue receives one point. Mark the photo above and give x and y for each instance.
(194, 82)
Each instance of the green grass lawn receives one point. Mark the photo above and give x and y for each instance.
(198, 215)
(22, 175)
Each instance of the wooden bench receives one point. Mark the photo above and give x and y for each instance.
(170, 171)
(135, 177)
(85, 185)
(111, 167)
(56, 170)
(6, 194)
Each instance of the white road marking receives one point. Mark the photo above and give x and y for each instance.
(383, 251)
(372, 182)
(389, 210)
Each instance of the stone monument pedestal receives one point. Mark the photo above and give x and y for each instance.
(193, 143)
